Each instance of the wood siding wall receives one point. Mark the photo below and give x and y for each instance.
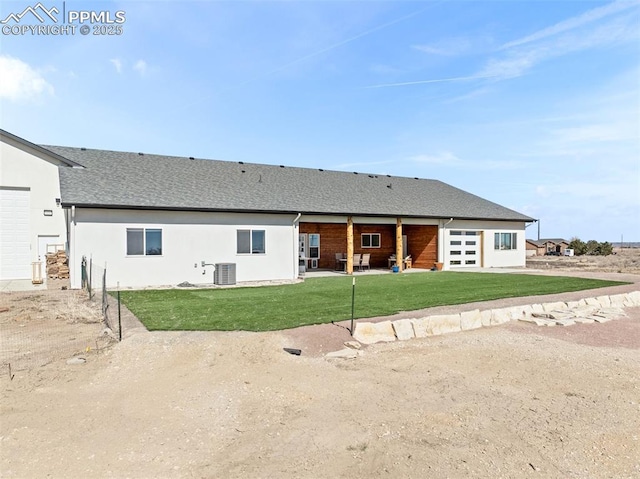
(423, 245)
(422, 242)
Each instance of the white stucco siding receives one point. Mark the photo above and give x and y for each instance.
(188, 238)
(494, 258)
(21, 170)
(486, 230)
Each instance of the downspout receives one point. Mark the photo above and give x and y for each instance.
(296, 261)
(72, 243)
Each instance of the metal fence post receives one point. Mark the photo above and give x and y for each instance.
(353, 302)
(119, 316)
(90, 277)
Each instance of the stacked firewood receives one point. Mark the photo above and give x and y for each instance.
(58, 265)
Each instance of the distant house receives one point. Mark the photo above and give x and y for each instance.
(154, 220)
(543, 246)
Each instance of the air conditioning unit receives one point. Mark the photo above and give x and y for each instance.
(224, 274)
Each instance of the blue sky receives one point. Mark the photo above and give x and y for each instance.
(533, 105)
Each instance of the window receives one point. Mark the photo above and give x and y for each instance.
(456, 243)
(505, 241)
(251, 242)
(314, 245)
(370, 240)
(144, 242)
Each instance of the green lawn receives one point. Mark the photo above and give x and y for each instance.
(322, 300)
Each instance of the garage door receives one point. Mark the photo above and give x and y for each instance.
(15, 250)
(464, 248)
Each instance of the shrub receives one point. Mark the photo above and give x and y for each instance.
(578, 246)
(591, 247)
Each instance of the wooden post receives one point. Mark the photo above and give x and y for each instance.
(349, 245)
(399, 256)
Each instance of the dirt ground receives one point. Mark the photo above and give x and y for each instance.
(509, 401)
(624, 260)
(40, 327)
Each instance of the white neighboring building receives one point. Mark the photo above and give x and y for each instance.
(31, 216)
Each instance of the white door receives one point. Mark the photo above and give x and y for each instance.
(43, 242)
(302, 245)
(15, 247)
(464, 248)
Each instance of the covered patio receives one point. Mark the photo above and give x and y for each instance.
(333, 245)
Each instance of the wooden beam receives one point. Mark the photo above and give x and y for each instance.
(399, 256)
(349, 245)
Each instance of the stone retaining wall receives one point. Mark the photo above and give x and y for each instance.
(599, 309)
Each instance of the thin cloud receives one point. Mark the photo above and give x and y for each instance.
(448, 47)
(468, 96)
(339, 44)
(573, 23)
(141, 67)
(19, 81)
(436, 80)
(450, 160)
(522, 55)
(441, 158)
(518, 61)
(117, 64)
(597, 133)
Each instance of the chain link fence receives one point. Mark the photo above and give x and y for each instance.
(94, 281)
(37, 328)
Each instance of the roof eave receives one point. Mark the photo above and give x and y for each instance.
(39, 151)
(66, 204)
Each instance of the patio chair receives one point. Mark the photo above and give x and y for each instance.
(407, 262)
(392, 260)
(365, 262)
(339, 263)
(356, 261)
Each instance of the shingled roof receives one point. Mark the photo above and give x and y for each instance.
(543, 241)
(113, 179)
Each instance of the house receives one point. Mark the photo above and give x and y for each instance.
(31, 216)
(541, 247)
(161, 220)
